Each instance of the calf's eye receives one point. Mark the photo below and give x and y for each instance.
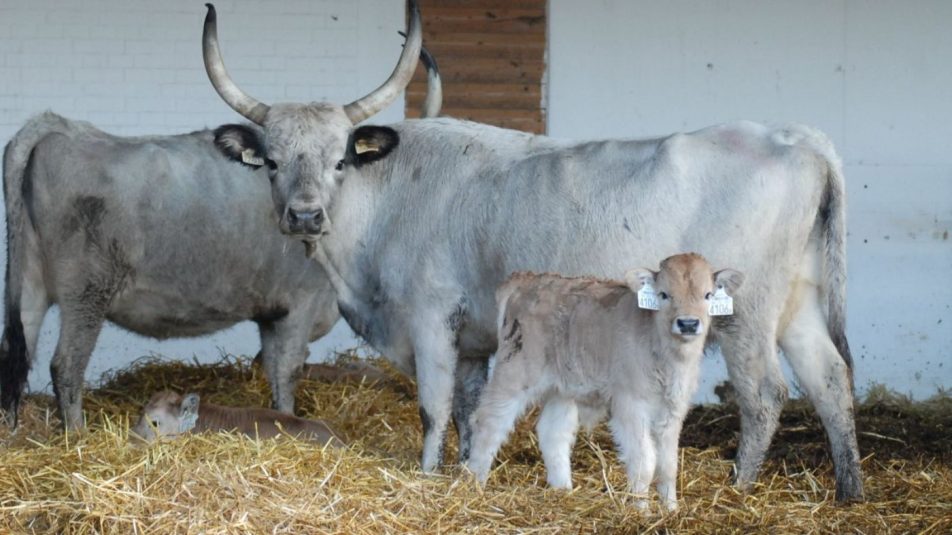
(663, 295)
(708, 296)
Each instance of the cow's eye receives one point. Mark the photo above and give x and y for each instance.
(708, 296)
(663, 295)
(154, 423)
(340, 165)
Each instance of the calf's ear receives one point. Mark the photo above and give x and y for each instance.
(728, 279)
(636, 278)
(241, 143)
(190, 404)
(367, 144)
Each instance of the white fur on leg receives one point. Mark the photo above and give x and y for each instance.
(630, 426)
(491, 423)
(556, 428)
(435, 368)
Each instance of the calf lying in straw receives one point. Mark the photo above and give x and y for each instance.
(585, 347)
(169, 414)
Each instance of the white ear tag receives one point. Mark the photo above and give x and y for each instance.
(647, 298)
(362, 146)
(248, 156)
(721, 304)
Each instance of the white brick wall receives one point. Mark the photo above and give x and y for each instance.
(135, 67)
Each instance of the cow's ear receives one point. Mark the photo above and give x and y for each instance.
(636, 278)
(189, 405)
(368, 144)
(728, 279)
(241, 143)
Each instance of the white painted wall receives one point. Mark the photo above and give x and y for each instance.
(135, 67)
(875, 75)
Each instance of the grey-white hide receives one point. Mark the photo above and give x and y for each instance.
(163, 236)
(581, 348)
(418, 223)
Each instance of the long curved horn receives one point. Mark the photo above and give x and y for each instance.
(434, 86)
(381, 97)
(241, 102)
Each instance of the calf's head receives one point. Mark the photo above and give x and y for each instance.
(167, 414)
(684, 287)
(308, 148)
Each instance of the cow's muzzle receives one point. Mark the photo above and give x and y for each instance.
(304, 220)
(687, 327)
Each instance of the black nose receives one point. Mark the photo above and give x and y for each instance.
(305, 221)
(688, 326)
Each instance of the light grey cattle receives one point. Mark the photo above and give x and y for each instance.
(168, 415)
(584, 348)
(165, 236)
(418, 222)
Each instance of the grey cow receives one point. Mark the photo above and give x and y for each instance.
(417, 223)
(166, 236)
(586, 347)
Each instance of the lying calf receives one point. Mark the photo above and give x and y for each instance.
(585, 347)
(169, 414)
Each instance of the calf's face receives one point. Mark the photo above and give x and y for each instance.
(684, 287)
(167, 414)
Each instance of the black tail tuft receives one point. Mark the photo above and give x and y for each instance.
(14, 365)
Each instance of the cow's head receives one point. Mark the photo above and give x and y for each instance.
(167, 414)
(684, 287)
(308, 148)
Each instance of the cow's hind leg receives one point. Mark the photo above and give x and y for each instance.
(753, 365)
(283, 352)
(557, 427)
(825, 379)
(470, 379)
(79, 328)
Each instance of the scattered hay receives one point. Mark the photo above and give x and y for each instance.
(95, 482)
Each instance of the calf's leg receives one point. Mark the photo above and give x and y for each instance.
(631, 428)
(557, 427)
(666, 472)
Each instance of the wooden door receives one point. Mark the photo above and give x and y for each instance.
(491, 55)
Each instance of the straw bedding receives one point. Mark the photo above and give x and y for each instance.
(95, 482)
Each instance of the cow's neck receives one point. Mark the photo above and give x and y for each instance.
(339, 250)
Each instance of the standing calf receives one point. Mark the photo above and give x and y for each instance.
(168, 414)
(584, 347)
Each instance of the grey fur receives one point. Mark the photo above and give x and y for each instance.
(161, 235)
(458, 206)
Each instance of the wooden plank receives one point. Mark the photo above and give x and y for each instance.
(418, 86)
(524, 24)
(484, 4)
(452, 99)
(439, 36)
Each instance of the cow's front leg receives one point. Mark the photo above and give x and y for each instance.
(283, 352)
(470, 380)
(435, 357)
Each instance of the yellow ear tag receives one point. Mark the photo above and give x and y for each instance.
(248, 156)
(363, 145)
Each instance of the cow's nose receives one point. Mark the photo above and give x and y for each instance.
(305, 221)
(688, 325)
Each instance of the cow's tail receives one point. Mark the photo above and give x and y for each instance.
(832, 220)
(14, 360)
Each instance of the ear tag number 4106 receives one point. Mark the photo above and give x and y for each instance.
(721, 304)
(647, 298)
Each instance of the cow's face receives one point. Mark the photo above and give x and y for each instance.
(167, 414)
(303, 147)
(308, 147)
(684, 287)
